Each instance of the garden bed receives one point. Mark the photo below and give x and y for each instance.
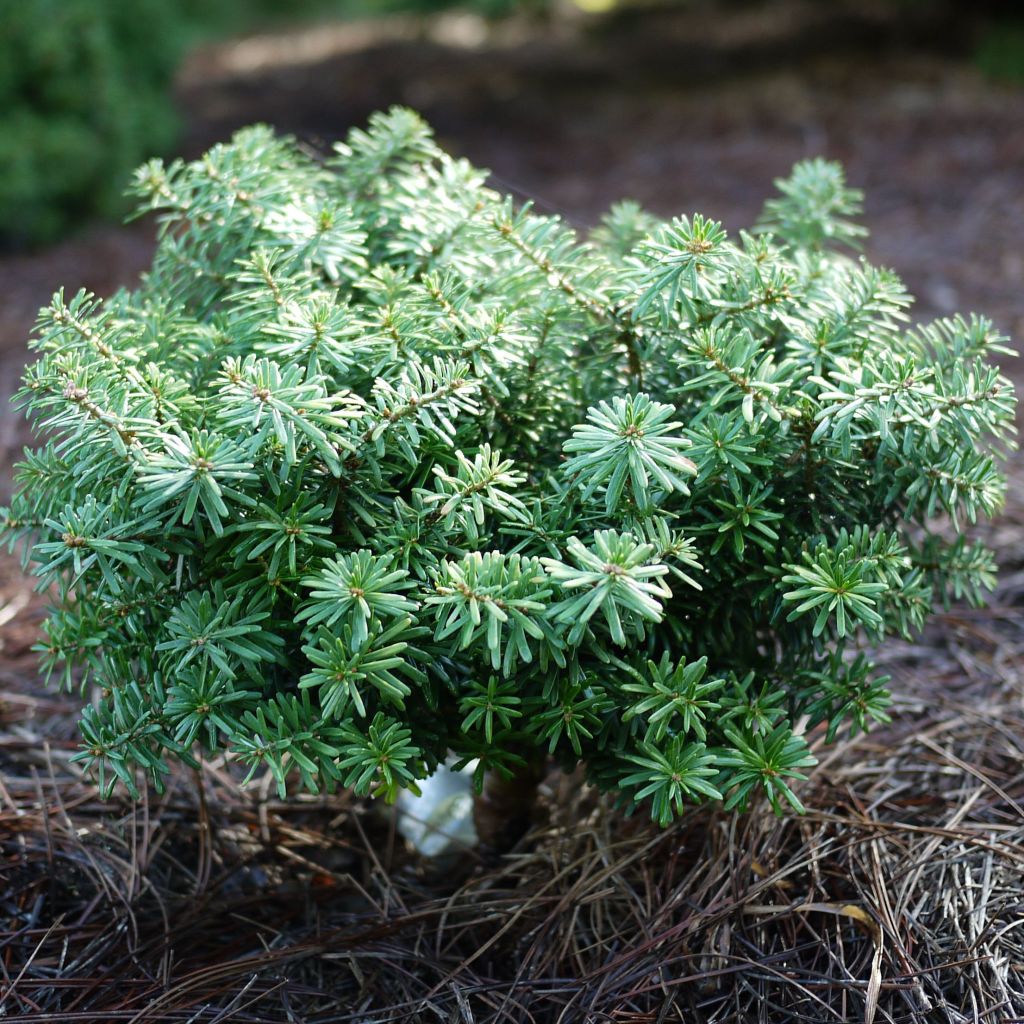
(897, 897)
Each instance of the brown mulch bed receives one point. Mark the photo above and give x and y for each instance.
(899, 897)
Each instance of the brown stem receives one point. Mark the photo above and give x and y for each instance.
(635, 366)
(503, 811)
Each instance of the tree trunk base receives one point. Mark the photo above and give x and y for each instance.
(504, 810)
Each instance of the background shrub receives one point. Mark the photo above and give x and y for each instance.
(85, 87)
(85, 97)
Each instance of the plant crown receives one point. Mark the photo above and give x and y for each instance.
(376, 467)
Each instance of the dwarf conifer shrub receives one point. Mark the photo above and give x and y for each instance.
(375, 467)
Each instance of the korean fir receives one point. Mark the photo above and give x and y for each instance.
(375, 469)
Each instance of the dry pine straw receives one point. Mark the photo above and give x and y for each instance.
(898, 897)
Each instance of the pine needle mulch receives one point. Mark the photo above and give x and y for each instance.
(898, 897)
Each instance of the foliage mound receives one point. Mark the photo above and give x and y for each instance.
(374, 468)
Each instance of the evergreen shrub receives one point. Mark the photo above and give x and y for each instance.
(375, 467)
(85, 88)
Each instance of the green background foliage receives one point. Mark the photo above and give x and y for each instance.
(84, 85)
(375, 467)
(86, 93)
(1000, 51)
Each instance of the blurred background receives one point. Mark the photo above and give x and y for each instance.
(683, 105)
